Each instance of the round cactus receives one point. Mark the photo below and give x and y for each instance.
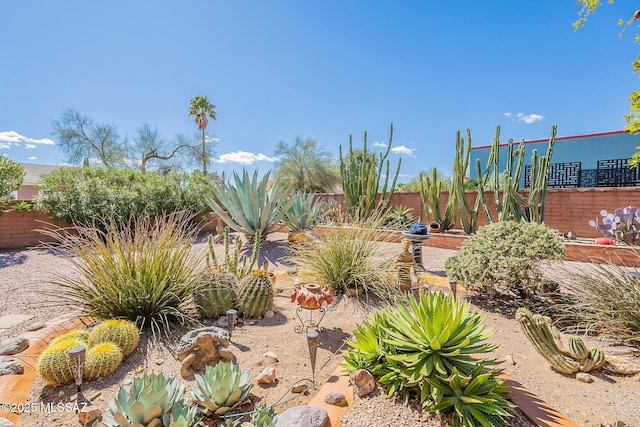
(102, 360)
(216, 294)
(255, 297)
(54, 364)
(123, 333)
(78, 334)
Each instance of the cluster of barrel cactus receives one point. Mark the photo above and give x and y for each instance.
(546, 339)
(106, 345)
(233, 283)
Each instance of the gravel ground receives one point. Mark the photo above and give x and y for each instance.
(24, 283)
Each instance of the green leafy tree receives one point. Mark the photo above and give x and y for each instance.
(587, 7)
(414, 185)
(202, 110)
(304, 166)
(82, 140)
(11, 178)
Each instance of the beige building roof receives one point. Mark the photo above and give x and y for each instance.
(33, 172)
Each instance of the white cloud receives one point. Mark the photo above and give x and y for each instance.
(30, 146)
(379, 144)
(211, 139)
(14, 137)
(32, 158)
(4, 146)
(244, 158)
(401, 149)
(524, 118)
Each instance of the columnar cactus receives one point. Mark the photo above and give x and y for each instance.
(256, 294)
(123, 333)
(216, 293)
(546, 339)
(102, 360)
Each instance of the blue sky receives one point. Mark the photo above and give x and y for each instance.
(323, 70)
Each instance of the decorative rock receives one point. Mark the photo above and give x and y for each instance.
(207, 347)
(35, 326)
(363, 382)
(61, 393)
(269, 357)
(303, 416)
(127, 381)
(6, 423)
(269, 314)
(89, 414)
(11, 368)
(267, 376)
(159, 361)
(13, 345)
(621, 366)
(336, 399)
(584, 377)
(300, 388)
(509, 359)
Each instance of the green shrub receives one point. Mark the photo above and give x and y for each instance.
(11, 178)
(144, 273)
(430, 338)
(505, 253)
(398, 217)
(82, 195)
(604, 299)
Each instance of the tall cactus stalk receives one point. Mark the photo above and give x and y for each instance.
(361, 177)
(468, 217)
(430, 193)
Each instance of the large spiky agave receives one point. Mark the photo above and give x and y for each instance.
(154, 400)
(222, 388)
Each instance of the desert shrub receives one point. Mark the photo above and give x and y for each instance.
(605, 299)
(429, 347)
(505, 253)
(144, 273)
(347, 256)
(82, 195)
(11, 178)
(398, 217)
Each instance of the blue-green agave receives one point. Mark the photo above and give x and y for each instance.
(222, 388)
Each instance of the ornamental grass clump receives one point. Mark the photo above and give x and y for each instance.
(505, 254)
(144, 273)
(429, 348)
(348, 256)
(605, 299)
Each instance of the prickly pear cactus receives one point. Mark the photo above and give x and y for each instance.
(102, 360)
(123, 333)
(216, 293)
(54, 364)
(256, 294)
(546, 339)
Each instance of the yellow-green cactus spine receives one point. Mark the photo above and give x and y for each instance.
(216, 293)
(102, 360)
(123, 333)
(546, 340)
(256, 294)
(79, 334)
(54, 364)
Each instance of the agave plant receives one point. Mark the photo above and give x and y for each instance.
(250, 205)
(222, 388)
(154, 400)
(476, 399)
(302, 214)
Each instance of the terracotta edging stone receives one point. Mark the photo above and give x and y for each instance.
(15, 388)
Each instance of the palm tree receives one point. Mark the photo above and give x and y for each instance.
(303, 166)
(202, 110)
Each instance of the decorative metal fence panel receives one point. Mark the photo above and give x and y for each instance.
(616, 173)
(561, 175)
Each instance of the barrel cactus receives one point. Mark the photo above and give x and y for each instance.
(546, 339)
(78, 334)
(102, 360)
(216, 293)
(154, 400)
(256, 294)
(54, 364)
(123, 333)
